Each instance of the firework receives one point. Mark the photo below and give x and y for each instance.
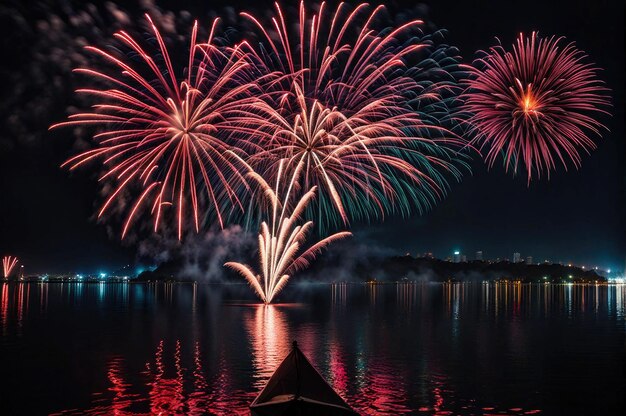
(361, 107)
(535, 105)
(163, 139)
(281, 241)
(8, 264)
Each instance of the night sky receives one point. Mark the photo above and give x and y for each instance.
(47, 214)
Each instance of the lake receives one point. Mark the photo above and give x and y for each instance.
(444, 349)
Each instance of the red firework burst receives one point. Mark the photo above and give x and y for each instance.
(165, 137)
(535, 104)
(8, 264)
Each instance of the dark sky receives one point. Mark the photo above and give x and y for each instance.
(46, 214)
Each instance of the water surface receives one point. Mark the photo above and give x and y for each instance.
(138, 349)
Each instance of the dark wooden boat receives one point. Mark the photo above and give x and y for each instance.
(297, 389)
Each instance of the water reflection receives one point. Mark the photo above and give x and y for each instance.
(166, 386)
(269, 339)
(406, 348)
(383, 390)
(4, 307)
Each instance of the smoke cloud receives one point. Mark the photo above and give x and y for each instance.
(200, 256)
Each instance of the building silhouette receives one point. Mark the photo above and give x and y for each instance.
(457, 257)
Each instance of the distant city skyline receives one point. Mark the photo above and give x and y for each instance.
(456, 255)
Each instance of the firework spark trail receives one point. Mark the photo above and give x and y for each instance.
(535, 104)
(281, 241)
(168, 137)
(8, 264)
(350, 105)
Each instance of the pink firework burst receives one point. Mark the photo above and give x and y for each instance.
(535, 104)
(8, 264)
(163, 133)
(360, 104)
